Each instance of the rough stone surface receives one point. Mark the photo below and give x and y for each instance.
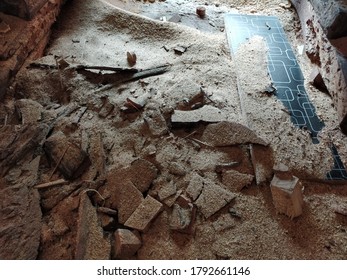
(287, 196)
(91, 243)
(195, 186)
(144, 214)
(228, 134)
(236, 181)
(142, 173)
(126, 244)
(72, 160)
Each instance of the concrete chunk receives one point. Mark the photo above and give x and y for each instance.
(144, 214)
(287, 196)
(126, 244)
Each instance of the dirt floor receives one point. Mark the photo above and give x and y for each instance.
(177, 135)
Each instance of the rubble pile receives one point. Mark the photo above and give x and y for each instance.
(115, 141)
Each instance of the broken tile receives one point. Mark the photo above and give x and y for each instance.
(195, 186)
(236, 181)
(287, 196)
(128, 198)
(166, 190)
(223, 222)
(206, 113)
(72, 161)
(172, 199)
(230, 133)
(144, 214)
(212, 198)
(91, 243)
(142, 173)
(127, 243)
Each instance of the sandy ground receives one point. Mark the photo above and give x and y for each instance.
(96, 33)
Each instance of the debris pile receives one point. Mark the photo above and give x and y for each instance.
(115, 147)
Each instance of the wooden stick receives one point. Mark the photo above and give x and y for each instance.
(51, 184)
(56, 166)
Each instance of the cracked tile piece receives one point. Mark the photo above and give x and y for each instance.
(213, 198)
(144, 214)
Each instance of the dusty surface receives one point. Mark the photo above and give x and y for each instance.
(200, 213)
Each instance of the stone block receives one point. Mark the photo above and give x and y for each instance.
(127, 243)
(287, 196)
(144, 214)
